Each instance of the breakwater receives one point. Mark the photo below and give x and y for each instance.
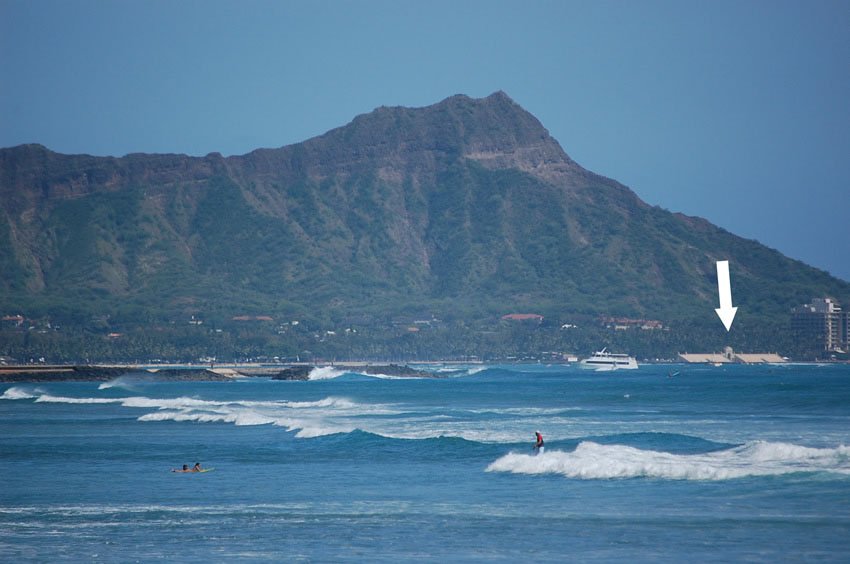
(97, 373)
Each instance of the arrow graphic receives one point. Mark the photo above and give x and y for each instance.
(725, 312)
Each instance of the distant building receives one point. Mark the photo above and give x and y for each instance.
(823, 320)
(13, 320)
(523, 317)
(704, 358)
(729, 356)
(844, 332)
(624, 323)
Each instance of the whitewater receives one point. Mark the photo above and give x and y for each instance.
(724, 463)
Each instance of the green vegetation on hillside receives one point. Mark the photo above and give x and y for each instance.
(463, 211)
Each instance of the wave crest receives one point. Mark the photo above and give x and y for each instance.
(325, 373)
(17, 393)
(757, 458)
(238, 419)
(47, 398)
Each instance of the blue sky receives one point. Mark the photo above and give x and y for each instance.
(736, 111)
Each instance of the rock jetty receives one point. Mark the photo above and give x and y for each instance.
(396, 370)
(92, 373)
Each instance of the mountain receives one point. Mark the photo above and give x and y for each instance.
(466, 209)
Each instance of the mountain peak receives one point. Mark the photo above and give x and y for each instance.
(501, 134)
(494, 131)
(467, 208)
(497, 97)
(500, 97)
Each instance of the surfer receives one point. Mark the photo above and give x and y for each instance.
(538, 445)
(196, 467)
(184, 469)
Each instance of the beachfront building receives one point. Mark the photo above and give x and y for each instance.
(823, 320)
(729, 356)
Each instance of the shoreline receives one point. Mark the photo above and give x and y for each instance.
(191, 372)
(101, 373)
(174, 372)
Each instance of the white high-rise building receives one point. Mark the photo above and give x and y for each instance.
(824, 320)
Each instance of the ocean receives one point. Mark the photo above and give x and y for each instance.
(664, 463)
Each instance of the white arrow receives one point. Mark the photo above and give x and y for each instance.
(725, 312)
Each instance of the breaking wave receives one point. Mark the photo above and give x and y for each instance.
(17, 393)
(236, 418)
(455, 370)
(325, 373)
(47, 398)
(325, 416)
(757, 458)
(330, 372)
(329, 415)
(131, 382)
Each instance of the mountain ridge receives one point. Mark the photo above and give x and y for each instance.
(465, 208)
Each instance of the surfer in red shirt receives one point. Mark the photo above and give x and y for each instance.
(538, 445)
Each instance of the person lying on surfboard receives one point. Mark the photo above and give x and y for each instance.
(195, 468)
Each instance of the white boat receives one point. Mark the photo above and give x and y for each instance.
(604, 360)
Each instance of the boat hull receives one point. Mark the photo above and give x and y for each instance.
(604, 361)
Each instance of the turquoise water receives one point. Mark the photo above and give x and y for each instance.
(712, 464)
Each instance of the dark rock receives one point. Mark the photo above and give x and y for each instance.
(188, 374)
(303, 372)
(89, 373)
(399, 371)
(294, 373)
(59, 373)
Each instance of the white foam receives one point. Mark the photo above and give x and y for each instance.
(325, 373)
(458, 370)
(330, 401)
(169, 403)
(326, 416)
(317, 430)
(237, 418)
(47, 398)
(758, 458)
(309, 418)
(126, 382)
(16, 393)
(329, 372)
(391, 377)
(186, 402)
(525, 411)
(422, 431)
